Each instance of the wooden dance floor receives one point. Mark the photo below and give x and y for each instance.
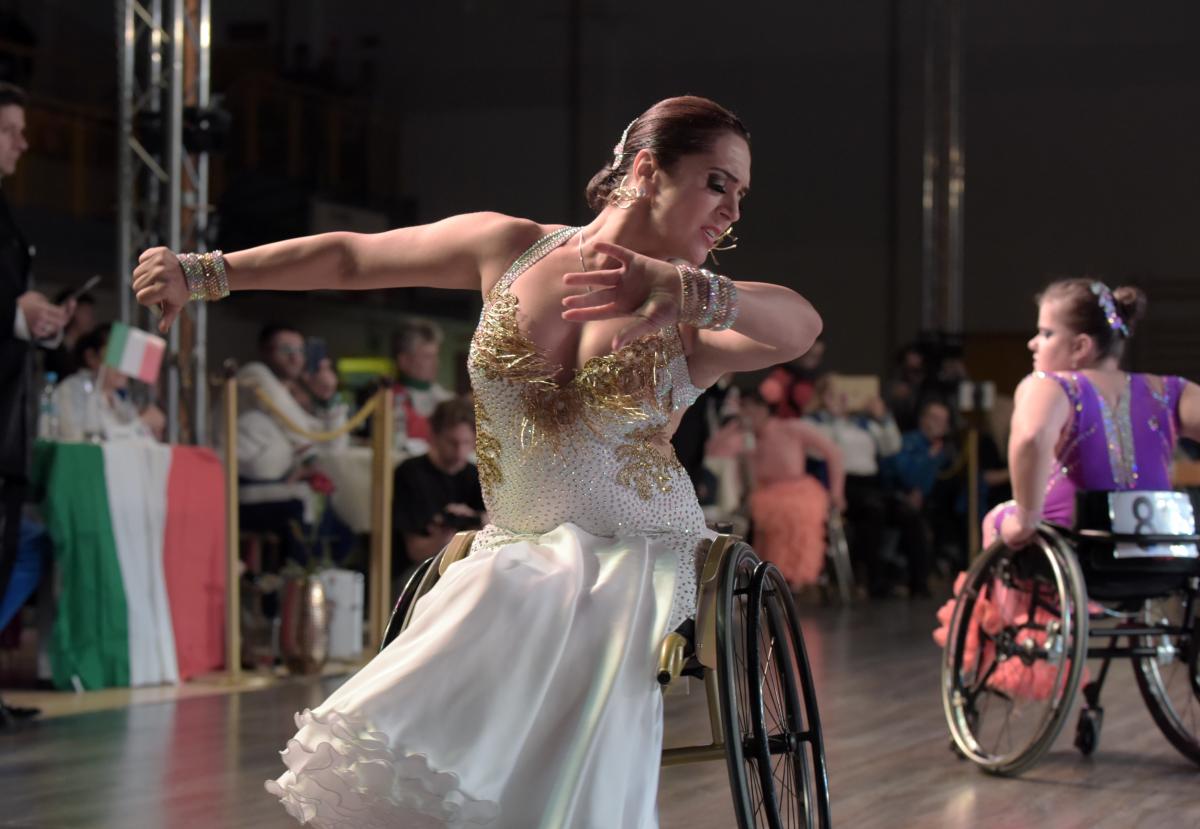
(201, 761)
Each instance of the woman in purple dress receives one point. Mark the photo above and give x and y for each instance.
(1080, 422)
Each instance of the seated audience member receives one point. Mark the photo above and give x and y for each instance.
(438, 493)
(904, 385)
(33, 552)
(276, 465)
(924, 498)
(864, 438)
(788, 507)
(62, 359)
(417, 350)
(93, 403)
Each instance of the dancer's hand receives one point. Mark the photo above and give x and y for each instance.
(638, 286)
(1015, 532)
(838, 499)
(158, 283)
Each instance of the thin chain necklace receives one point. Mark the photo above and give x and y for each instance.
(582, 263)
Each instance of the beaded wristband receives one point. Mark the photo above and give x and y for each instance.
(205, 275)
(707, 300)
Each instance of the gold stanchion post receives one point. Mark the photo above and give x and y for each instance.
(380, 578)
(973, 517)
(233, 593)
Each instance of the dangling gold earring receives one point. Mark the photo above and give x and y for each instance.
(730, 245)
(624, 196)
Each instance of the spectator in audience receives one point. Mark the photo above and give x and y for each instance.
(923, 490)
(788, 507)
(62, 360)
(417, 349)
(864, 438)
(94, 404)
(277, 465)
(788, 389)
(437, 493)
(904, 386)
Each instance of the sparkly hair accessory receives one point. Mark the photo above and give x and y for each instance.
(1109, 307)
(619, 150)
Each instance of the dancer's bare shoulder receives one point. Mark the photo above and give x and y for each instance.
(504, 239)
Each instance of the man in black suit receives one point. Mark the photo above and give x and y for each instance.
(26, 318)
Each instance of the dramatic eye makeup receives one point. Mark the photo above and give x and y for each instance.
(718, 181)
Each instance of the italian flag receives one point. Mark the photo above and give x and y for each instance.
(139, 543)
(134, 353)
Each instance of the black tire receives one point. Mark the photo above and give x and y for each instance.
(772, 731)
(408, 597)
(1047, 572)
(1087, 731)
(1172, 690)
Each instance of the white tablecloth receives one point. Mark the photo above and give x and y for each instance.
(350, 470)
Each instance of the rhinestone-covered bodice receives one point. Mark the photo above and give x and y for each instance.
(593, 451)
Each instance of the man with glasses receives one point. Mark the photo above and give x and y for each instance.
(278, 478)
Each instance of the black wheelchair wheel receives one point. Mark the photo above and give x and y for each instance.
(408, 597)
(1170, 680)
(1010, 671)
(772, 731)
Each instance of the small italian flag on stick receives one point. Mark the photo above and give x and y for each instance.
(134, 353)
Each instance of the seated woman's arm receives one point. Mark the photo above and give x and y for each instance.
(1040, 413)
(818, 444)
(1189, 411)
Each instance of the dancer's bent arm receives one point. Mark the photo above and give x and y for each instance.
(774, 324)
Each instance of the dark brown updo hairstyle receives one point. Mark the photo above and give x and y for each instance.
(671, 129)
(1084, 313)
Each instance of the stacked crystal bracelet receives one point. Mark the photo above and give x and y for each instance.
(205, 275)
(707, 299)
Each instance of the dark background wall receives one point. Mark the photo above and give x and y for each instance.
(1079, 125)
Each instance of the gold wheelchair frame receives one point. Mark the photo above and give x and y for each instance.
(777, 769)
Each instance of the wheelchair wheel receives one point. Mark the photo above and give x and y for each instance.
(1170, 681)
(408, 597)
(1015, 652)
(772, 730)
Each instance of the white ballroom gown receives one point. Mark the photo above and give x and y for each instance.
(523, 693)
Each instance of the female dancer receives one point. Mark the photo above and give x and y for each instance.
(1080, 423)
(522, 694)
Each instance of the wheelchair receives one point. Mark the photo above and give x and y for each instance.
(746, 646)
(1027, 620)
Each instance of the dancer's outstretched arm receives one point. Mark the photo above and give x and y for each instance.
(452, 253)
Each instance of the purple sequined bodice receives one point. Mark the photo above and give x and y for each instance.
(1126, 446)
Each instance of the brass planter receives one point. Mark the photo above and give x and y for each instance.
(304, 625)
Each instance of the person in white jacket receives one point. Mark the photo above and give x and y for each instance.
(276, 463)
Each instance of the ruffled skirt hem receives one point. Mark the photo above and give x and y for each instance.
(341, 774)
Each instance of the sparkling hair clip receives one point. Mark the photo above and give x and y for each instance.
(619, 150)
(1109, 307)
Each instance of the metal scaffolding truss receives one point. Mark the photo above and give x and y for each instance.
(164, 66)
